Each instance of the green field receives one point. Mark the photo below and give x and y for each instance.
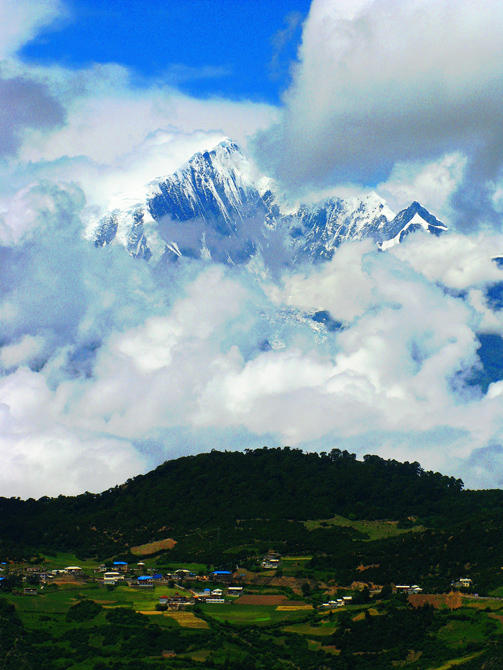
(376, 530)
(251, 614)
(119, 637)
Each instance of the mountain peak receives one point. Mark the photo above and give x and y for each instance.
(212, 208)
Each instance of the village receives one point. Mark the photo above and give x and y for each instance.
(185, 588)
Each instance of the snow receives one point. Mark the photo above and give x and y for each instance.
(216, 190)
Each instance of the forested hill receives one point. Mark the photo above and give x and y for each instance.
(217, 488)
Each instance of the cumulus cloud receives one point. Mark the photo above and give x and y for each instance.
(383, 81)
(109, 365)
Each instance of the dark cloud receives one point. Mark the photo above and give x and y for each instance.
(25, 103)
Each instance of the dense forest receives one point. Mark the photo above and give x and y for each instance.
(219, 488)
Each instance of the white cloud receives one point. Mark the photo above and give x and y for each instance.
(457, 261)
(26, 351)
(21, 20)
(130, 358)
(432, 184)
(328, 288)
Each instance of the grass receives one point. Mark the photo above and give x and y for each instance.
(497, 593)
(201, 655)
(185, 619)
(63, 560)
(171, 567)
(250, 614)
(307, 629)
(457, 633)
(376, 530)
(59, 601)
(456, 661)
(153, 547)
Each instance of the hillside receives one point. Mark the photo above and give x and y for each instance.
(230, 507)
(342, 528)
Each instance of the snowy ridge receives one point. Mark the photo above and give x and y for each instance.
(408, 221)
(211, 185)
(324, 227)
(212, 209)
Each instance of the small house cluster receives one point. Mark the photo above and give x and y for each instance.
(271, 561)
(462, 583)
(410, 590)
(340, 602)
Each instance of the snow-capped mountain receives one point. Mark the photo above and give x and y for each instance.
(212, 208)
(407, 221)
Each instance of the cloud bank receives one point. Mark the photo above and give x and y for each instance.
(110, 365)
(380, 82)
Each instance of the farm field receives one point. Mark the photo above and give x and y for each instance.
(91, 628)
(250, 614)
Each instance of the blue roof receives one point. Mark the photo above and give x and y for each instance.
(157, 577)
(120, 563)
(221, 572)
(144, 577)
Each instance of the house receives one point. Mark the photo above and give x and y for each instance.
(168, 653)
(73, 569)
(217, 592)
(121, 566)
(30, 592)
(221, 576)
(182, 574)
(404, 588)
(234, 591)
(111, 578)
(201, 596)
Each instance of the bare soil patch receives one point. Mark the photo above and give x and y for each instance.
(153, 547)
(451, 600)
(186, 619)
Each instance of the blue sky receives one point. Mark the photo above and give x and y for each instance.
(233, 49)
